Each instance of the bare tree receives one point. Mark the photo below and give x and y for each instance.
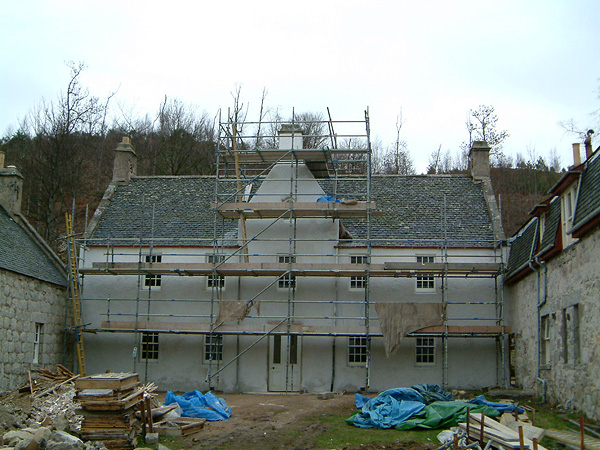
(66, 136)
(482, 126)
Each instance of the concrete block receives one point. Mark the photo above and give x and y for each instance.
(151, 438)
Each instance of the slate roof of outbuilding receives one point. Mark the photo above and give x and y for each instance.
(588, 199)
(419, 211)
(522, 248)
(21, 253)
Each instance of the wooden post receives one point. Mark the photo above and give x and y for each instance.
(143, 417)
(481, 430)
(455, 442)
(240, 193)
(149, 414)
(581, 432)
(468, 422)
(535, 444)
(521, 440)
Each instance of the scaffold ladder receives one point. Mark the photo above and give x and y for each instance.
(74, 288)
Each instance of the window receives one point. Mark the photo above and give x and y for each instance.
(213, 347)
(288, 280)
(37, 342)
(357, 349)
(425, 350)
(292, 341)
(567, 212)
(358, 282)
(425, 281)
(152, 281)
(149, 346)
(545, 347)
(215, 280)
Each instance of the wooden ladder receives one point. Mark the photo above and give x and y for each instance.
(74, 287)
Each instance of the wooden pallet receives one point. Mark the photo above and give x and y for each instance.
(116, 381)
(181, 426)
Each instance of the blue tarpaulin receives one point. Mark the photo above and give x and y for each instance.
(420, 406)
(195, 404)
(501, 407)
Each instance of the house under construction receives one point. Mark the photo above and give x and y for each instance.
(295, 268)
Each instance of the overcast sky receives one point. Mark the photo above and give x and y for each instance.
(536, 62)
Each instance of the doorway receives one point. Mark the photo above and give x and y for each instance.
(284, 363)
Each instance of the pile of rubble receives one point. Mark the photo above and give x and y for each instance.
(44, 414)
(45, 422)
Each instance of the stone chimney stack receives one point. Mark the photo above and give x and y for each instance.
(479, 160)
(588, 144)
(290, 137)
(11, 188)
(576, 154)
(125, 165)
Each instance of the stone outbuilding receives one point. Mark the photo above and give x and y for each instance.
(32, 291)
(554, 288)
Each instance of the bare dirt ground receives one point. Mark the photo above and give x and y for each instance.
(270, 422)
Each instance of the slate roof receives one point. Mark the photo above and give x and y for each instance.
(163, 207)
(522, 248)
(415, 212)
(588, 199)
(425, 210)
(552, 226)
(20, 252)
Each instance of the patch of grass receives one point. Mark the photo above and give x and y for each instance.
(173, 442)
(340, 434)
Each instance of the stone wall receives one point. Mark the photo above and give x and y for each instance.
(25, 301)
(573, 312)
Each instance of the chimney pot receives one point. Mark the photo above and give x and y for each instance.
(11, 189)
(576, 154)
(588, 144)
(479, 159)
(290, 137)
(125, 164)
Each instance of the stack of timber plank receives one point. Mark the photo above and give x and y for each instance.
(498, 433)
(108, 404)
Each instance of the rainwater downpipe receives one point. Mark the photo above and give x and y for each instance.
(541, 301)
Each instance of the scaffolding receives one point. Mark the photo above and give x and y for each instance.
(260, 240)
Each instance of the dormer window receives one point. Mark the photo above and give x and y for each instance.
(567, 212)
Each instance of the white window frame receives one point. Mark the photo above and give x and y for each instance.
(213, 348)
(545, 344)
(149, 346)
(37, 342)
(218, 281)
(567, 211)
(358, 350)
(425, 282)
(152, 282)
(425, 351)
(358, 282)
(287, 281)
